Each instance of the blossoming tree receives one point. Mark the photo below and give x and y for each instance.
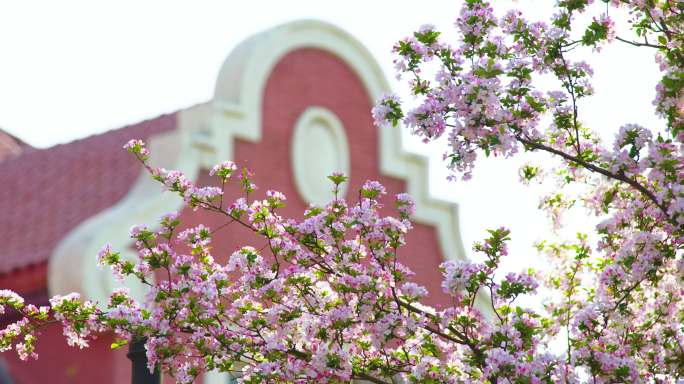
(324, 298)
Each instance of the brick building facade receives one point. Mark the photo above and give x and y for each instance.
(292, 103)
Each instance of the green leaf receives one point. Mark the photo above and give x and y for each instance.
(118, 343)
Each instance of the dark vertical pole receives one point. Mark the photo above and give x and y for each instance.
(139, 372)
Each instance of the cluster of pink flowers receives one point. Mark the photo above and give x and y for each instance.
(325, 299)
(137, 147)
(458, 276)
(619, 300)
(223, 170)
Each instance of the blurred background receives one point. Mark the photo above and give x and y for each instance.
(70, 69)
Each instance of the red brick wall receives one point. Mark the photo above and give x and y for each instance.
(61, 364)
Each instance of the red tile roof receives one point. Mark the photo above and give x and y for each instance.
(45, 193)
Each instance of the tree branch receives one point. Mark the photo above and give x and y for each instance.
(616, 176)
(636, 44)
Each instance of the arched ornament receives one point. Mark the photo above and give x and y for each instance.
(319, 147)
(204, 136)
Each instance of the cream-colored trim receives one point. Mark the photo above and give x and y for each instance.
(214, 377)
(318, 132)
(205, 136)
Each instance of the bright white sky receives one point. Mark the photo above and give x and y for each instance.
(69, 69)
